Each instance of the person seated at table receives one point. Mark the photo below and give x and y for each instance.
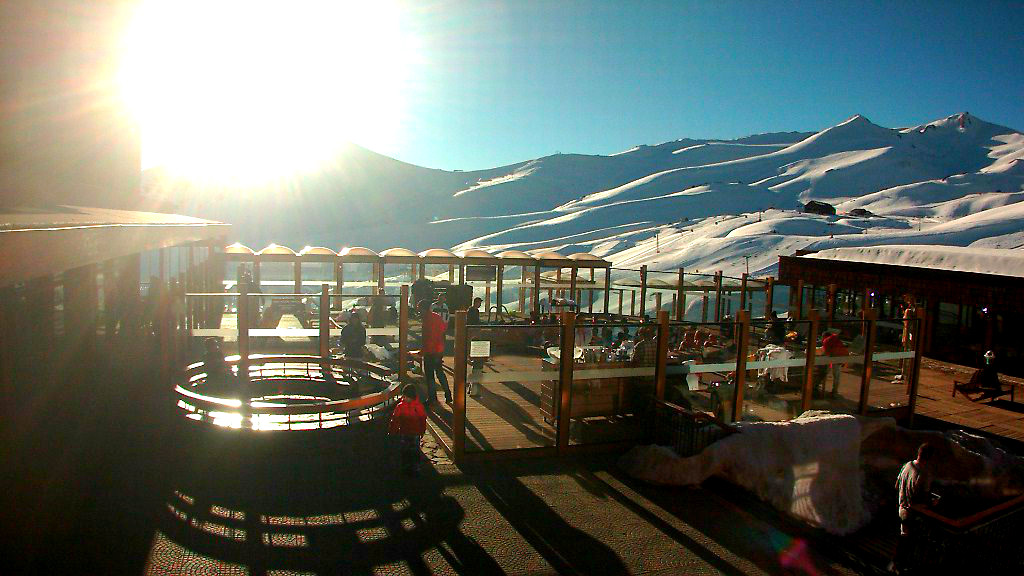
(353, 337)
(645, 352)
(473, 314)
(217, 369)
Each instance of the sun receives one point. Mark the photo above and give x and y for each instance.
(255, 90)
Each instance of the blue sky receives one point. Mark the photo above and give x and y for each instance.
(501, 82)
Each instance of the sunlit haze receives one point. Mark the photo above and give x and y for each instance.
(253, 90)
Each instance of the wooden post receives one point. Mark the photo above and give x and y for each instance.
(568, 345)
(831, 304)
(870, 333)
(297, 270)
(339, 276)
(242, 322)
(573, 272)
(536, 290)
(501, 282)
(718, 296)
(403, 333)
(632, 302)
(811, 351)
(325, 321)
(799, 300)
(769, 296)
(643, 290)
(412, 272)
(661, 364)
(704, 307)
(675, 304)
(459, 407)
(680, 313)
(451, 273)
(607, 291)
(380, 276)
(743, 291)
(742, 327)
(915, 373)
(657, 303)
(621, 294)
(487, 296)
(462, 274)
(423, 270)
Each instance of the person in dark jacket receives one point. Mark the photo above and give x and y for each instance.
(353, 337)
(473, 314)
(409, 423)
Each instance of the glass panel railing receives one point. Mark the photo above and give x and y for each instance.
(701, 366)
(512, 387)
(776, 361)
(612, 385)
(839, 367)
(282, 324)
(891, 364)
(377, 315)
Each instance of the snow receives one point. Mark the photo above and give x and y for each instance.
(814, 474)
(715, 204)
(953, 258)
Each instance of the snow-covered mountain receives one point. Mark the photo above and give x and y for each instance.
(712, 204)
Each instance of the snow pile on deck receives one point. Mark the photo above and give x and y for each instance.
(808, 467)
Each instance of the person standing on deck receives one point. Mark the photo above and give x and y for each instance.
(409, 423)
(913, 486)
(433, 351)
(832, 345)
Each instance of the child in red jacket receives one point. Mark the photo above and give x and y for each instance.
(409, 422)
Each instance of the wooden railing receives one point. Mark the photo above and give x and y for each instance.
(198, 405)
(686, 431)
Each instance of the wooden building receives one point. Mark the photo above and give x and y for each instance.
(973, 297)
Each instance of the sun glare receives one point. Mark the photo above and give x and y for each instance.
(249, 91)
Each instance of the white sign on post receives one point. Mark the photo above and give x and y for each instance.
(479, 349)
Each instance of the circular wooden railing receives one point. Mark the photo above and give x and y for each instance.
(287, 411)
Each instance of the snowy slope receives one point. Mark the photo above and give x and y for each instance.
(712, 204)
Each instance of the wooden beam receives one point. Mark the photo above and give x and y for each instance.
(459, 405)
(810, 353)
(742, 337)
(870, 332)
(568, 344)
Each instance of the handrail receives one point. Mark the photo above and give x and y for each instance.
(195, 375)
(710, 418)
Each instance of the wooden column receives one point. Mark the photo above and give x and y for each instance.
(403, 333)
(681, 297)
(242, 322)
(675, 305)
(573, 272)
(870, 332)
(607, 290)
(536, 290)
(451, 273)
(339, 276)
(830, 304)
(568, 344)
(799, 302)
(743, 291)
(704, 307)
(459, 391)
(558, 281)
(380, 276)
(297, 271)
(462, 274)
(810, 352)
(325, 321)
(661, 364)
(742, 328)
(632, 302)
(621, 294)
(915, 374)
(643, 290)
(500, 286)
(769, 296)
(718, 296)
(657, 303)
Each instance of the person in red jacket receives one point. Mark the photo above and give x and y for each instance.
(832, 345)
(434, 328)
(409, 422)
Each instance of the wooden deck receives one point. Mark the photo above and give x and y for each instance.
(1001, 418)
